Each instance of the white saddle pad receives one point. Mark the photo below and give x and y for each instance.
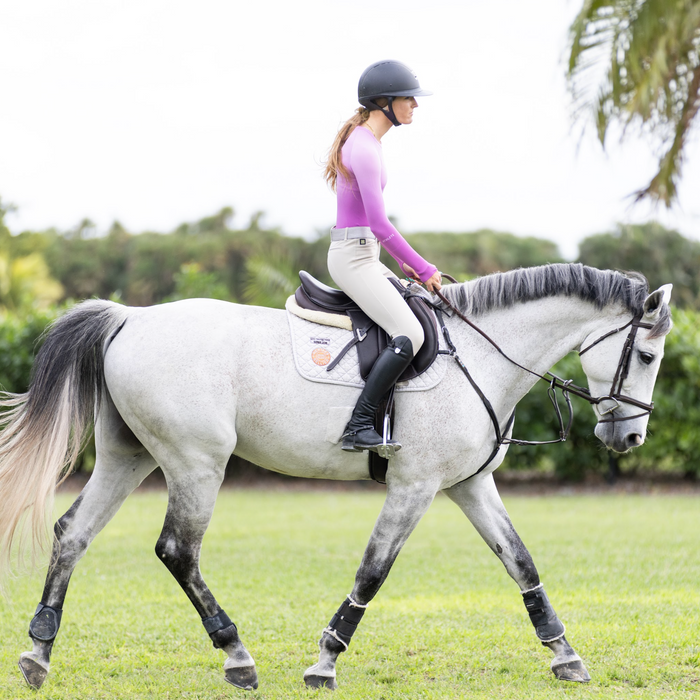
(315, 346)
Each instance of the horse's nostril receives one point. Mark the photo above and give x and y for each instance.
(634, 440)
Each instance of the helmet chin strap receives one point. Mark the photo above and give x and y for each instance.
(388, 111)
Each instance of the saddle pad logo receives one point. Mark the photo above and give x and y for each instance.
(320, 356)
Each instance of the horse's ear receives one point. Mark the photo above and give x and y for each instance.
(654, 302)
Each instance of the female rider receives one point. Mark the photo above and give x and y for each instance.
(355, 170)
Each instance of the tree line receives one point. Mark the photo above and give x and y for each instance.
(42, 272)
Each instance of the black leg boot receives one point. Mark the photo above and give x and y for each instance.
(359, 432)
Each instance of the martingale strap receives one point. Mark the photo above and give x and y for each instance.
(501, 439)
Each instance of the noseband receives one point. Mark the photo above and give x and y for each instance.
(566, 386)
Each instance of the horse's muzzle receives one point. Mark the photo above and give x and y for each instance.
(621, 436)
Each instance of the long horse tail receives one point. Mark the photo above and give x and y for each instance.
(44, 430)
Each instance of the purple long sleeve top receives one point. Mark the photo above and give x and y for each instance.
(361, 200)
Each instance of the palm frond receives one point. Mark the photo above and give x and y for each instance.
(651, 53)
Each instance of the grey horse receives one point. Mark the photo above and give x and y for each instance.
(186, 385)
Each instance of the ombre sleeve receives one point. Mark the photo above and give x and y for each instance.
(366, 165)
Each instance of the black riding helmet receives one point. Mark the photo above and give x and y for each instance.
(388, 79)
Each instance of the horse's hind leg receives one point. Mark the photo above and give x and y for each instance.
(481, 503)
(122, 464)
(191, 500)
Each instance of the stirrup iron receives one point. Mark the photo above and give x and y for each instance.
(383, 446)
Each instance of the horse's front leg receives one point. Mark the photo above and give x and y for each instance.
(481, 503)
(405, 505)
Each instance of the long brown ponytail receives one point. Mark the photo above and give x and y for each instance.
(334, 162)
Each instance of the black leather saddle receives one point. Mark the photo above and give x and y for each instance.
(369, 338)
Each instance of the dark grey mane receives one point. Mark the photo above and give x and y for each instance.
(599, 287)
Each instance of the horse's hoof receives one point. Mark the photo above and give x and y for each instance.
(571, 671)
(245, 677)
(33, 669)
(315, 681)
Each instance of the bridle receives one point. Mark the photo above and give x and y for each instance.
(623, 367)
(566, 386)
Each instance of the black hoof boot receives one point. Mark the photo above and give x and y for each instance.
(369, 439)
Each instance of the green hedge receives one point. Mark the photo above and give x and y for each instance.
(20, 336)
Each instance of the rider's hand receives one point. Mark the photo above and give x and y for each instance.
(411, 273)
(434, 284)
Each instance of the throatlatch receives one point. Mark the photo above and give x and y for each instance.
(45, 623)
(548, 626)
(344, 623)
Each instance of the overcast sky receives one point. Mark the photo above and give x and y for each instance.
(156, 112)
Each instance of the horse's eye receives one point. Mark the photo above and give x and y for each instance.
(646, 357)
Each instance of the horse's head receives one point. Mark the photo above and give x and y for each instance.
(621, 366)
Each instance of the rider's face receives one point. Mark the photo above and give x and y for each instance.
(403, 109)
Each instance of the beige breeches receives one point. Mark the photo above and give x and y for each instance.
(354, 266)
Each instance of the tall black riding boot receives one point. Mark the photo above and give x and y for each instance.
(359, 432)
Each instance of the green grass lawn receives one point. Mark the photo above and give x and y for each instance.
(623, 572)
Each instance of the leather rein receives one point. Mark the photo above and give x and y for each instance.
(566, 386)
